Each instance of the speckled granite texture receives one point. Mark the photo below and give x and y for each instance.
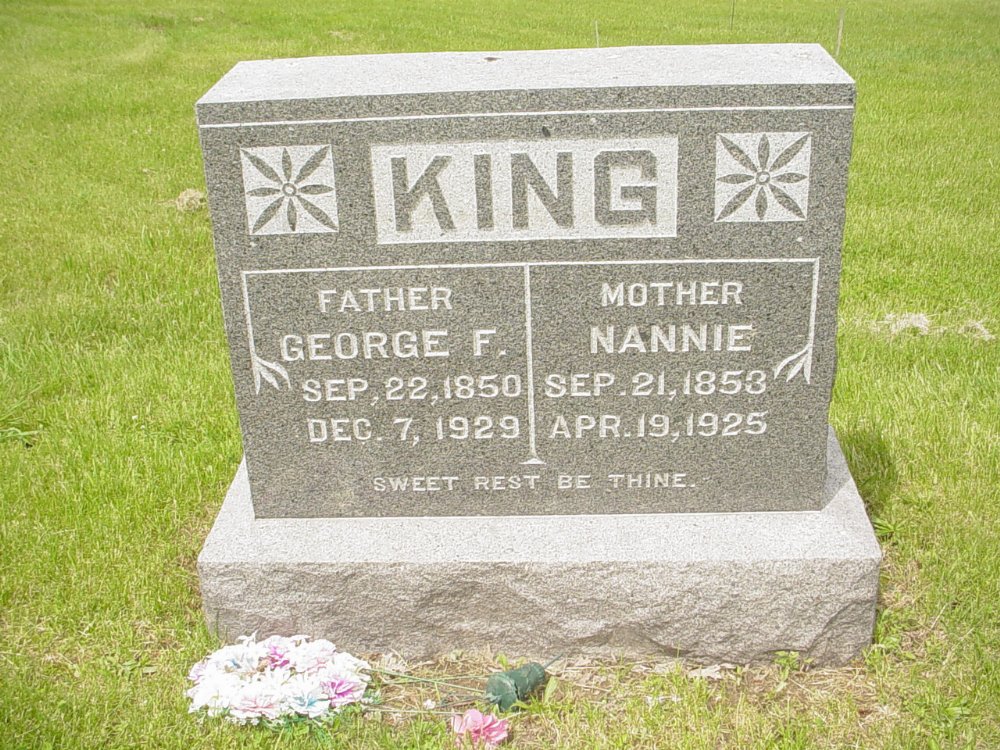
(733, 587)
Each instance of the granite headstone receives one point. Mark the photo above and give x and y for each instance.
(572, 283)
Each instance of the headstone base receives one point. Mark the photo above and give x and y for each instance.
(710, 587)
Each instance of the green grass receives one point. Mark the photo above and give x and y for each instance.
(118, 433)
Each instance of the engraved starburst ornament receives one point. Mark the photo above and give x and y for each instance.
(289, 190)
(762, 176)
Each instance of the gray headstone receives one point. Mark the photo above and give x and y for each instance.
(537, 286)
(524, 283)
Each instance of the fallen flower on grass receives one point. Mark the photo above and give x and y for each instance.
(481, 729)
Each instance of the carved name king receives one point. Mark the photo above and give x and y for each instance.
(523, 190)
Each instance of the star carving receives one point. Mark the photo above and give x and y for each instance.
(289, 189)
(762, 177)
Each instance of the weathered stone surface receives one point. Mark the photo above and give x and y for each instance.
(731, 587)
(532, 283)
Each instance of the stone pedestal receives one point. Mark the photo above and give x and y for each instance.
(711, 587)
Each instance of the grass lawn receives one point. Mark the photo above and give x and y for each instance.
(118, 432)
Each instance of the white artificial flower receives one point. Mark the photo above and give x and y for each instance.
(312, 655)
(241, 658)
(215, 692)
(257, 699)
(351, 667)
(304, 696)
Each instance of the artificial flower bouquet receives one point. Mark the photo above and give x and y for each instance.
(284, 679)
(278, 677)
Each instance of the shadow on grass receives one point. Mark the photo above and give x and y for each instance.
(872, 467)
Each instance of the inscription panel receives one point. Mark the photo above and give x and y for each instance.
(535, 387)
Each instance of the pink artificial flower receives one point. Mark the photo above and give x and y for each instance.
(257, 701)
(277, 656)
(342, 692)
(480, 728)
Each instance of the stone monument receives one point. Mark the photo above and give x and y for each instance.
(535, 349)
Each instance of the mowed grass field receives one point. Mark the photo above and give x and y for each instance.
(118, 432)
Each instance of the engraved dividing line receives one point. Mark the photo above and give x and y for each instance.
(812, 308)
(651, 110)
(533, 458)
(246, 313)
(675, 261)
